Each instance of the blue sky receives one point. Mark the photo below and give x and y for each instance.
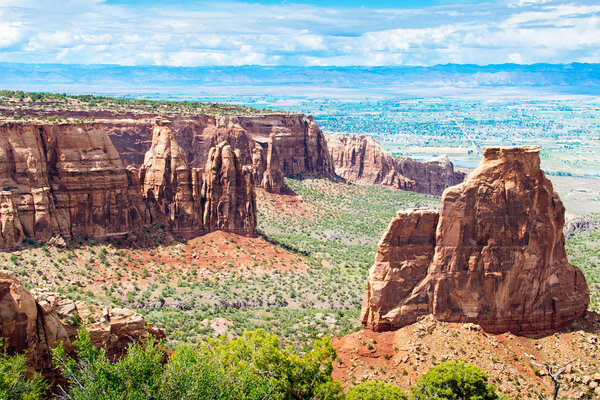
(301, 32)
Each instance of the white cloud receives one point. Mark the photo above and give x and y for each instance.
(91, 31)
(11, 34)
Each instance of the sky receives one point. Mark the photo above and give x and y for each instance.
(299, 32)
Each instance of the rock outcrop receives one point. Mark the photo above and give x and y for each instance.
(228, 193)
(495, 256)
(189, 203)
(171, 189)
(361, 159)
(290, 144)
(34, 326)
(62, 180)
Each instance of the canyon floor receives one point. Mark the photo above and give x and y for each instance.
(304, 277)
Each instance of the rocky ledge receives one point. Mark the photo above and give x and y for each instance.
(34, 325)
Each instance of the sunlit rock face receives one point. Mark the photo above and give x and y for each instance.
(361, 159)
(274, 144)
(36, 324)
(191, 203)
(497, 257)
(63, 180)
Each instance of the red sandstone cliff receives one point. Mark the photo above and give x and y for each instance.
(188, 202)
(361, 159)
(495, 257)
(66, 180)
(285, 144)
(228, 192)
(62, 180)
(170, 188)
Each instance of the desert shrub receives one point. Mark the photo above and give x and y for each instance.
(454, 380)
(295, 376)
(376, 390)
(252, 367)
(15, 383)
(91, 375)
(194, 373)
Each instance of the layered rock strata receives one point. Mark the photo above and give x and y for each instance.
(34, 326)
(190, 203)
(361, 159)
(228, 193)
(494, 255)
(63, 180)
(279, 144)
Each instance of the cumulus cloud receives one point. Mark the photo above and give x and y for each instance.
(238, 33)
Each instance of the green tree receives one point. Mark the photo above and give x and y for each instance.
(15, 383)
(138, 375)
(376, 390)
(296, 376)
(194, 373)
(454, 380)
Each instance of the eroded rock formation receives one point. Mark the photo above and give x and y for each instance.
(495, 257)
(361, 159)
(62, 180)
(290, 144)
(171, 189)
(34, 326)
(189, 203)
(228, 192)
(267, 166)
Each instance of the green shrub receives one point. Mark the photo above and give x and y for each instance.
(376, 390)
(138, 375)
(15, 384)
(252, 367)
(297, 377)
(193, 373)
(454, 380)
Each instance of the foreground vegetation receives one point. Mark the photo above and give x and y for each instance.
(255, 366)
(583, 250)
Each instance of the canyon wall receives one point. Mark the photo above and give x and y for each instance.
(274, 144)
(67, 179)
(295, 140)
(494, 255)
(63, 180)
(360, 159)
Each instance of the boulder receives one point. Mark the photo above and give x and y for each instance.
(34, 323)
(499, 259)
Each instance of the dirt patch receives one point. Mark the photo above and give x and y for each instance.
(401, 357)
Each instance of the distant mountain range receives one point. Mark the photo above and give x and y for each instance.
(574, 78)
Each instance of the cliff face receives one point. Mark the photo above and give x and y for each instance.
(498, 257)
(290, 143)
(361, 159)
(66, 180)
(189, 203)
(63, 180)
(228, 192)
(34, 326)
